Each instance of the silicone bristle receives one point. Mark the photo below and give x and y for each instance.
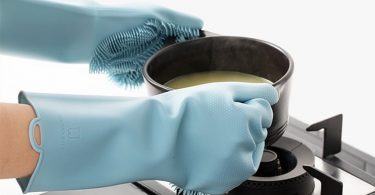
(181, 191)
(122, 55)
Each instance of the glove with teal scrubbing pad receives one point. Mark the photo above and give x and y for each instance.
(114, 40)
(205, 139)
(123, 54)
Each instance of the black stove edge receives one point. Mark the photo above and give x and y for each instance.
(153, 188)
(350, 159)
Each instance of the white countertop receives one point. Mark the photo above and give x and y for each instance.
(331, 42)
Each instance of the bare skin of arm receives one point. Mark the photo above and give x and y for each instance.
(17, 157)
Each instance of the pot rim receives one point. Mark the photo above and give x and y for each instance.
(160, 86)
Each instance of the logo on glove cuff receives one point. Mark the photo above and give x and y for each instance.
(74, 133)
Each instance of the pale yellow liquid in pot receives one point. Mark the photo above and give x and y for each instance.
(198, 78)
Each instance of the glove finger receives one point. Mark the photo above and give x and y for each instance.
(243, 92)
(264, 108)
(259, 114)
(257, 155)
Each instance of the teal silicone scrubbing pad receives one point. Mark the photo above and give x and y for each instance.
(123, 54)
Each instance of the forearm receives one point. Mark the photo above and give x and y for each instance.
(17, 157)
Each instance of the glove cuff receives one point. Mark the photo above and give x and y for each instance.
(87, 142)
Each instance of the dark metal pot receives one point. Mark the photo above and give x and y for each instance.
(241, 54)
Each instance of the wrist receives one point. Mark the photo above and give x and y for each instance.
(17, 158)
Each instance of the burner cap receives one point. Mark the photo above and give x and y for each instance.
(269, 165)
(269, 156)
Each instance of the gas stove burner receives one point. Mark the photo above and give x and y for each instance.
(281, 171)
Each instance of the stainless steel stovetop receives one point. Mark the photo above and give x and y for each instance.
(348, 165)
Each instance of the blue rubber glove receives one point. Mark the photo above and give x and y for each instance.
(71, 31)
(207, 138)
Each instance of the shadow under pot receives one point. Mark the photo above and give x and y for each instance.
(225, 53)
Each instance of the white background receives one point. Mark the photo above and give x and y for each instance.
(332, 43)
